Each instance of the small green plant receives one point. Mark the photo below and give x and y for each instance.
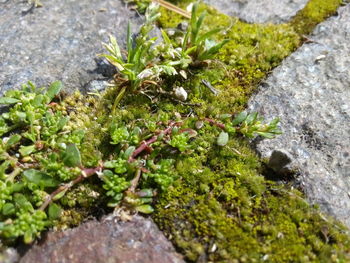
(33, 160)
(178, 57)
(196, 46)
(40, 161)
(136, 162)
(249, 125)
(200, 44)
(252, 125)
(146, 62)
(140, 66)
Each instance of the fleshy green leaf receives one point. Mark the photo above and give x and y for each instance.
(28, 237)
(145, 209)
(129, 152)
(3, 167)
(26, 150)
(38, 100)
(222, 139)
(54, 89)
(40, 178)
(13, 140)
(251, 118)
(8, 100)
(54, 211)
(8, 209)
(60, 195)
(22, 202)
(71, 156)
(240, 118)
(209, 53)
(21, 115)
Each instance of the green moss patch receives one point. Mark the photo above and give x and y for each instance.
(223, 209)
(220, 207)
(253, 50)
(314, 12)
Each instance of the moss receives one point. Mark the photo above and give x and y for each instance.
(253, 51)
(221, 208)
(314, 12)
(90, 115)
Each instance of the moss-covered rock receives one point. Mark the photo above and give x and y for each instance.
(222, 209)
(314, 12)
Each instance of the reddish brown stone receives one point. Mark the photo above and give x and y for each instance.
(108, 241)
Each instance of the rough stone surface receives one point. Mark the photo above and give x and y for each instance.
(259, 11)
(58, 41)
(108, 241)
(8, 255)
(310, 92)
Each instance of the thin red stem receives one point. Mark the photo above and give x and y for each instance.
(85, 173)
(145, 144)
(215, 123)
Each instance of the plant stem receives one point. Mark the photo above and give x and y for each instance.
(118, 98)
(135, 181)
(215, 123)
(85, 173)
(145, 144)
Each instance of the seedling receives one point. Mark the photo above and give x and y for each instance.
(145, 63)
(249, 125)
(201, 45)
(140, 67)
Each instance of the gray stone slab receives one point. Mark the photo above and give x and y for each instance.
(58, 41)
(259, 11)
(310, 92)
(110, 241)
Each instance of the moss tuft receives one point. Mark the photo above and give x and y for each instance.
(253, 50)
(221, 208)
(314, 12)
